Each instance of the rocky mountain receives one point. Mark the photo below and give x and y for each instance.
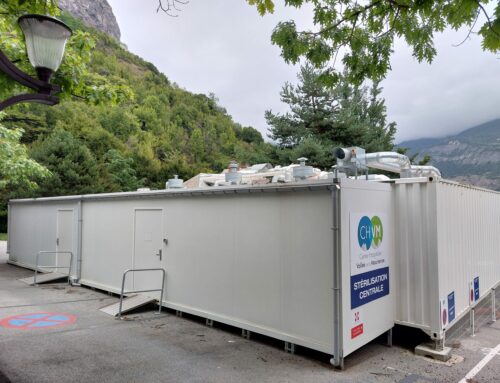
(97, 14)
(472, 156)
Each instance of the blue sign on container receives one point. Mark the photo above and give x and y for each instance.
(367, 287)
(476, 288)
(451, 306)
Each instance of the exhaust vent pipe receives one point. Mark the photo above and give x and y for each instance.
(233, 176)
(175, 183)
(302, 171)
(356, 160)
(388, 161)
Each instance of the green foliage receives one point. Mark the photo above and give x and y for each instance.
(364, 32)
(321, 118)
(122, 174)
(73, 167)
(18, 173)
(74, 76)
(263, 6)
(249, 135)
(109, 146)
(16, 168)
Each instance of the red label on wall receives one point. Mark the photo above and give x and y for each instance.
(357, 331)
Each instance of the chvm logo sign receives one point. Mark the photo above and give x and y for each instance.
(370, 232)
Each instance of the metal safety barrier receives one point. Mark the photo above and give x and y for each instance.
(37, 266)
(122, 292)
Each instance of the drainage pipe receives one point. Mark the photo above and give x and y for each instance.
(79, 242)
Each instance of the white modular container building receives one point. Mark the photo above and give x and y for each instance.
(310, 263)
(52, 225)
(448, 252)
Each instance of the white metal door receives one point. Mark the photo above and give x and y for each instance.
(148, 248)
(64, 239)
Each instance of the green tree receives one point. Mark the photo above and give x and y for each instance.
(197, 144)
(121, 171)
(16, 168)
(364, 32)
(73, 167)
(249, 134)
(321, 118)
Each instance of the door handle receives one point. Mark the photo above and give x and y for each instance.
(159, 254)
(57, 241)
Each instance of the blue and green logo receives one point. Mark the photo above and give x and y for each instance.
(370, 232)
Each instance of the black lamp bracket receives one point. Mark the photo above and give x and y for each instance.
(45, 90)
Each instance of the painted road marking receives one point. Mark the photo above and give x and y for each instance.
(483, 362)
(37, 321)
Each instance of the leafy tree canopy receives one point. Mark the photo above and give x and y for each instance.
(363, 32)
(321, 118)
(16, 168)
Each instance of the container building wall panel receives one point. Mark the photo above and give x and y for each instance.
(107, 243)
(366, 322)
(261, 261)
(33, 228)
(468, 229)
(416, 254)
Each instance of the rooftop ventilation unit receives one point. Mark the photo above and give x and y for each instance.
(233, 176)
(355, 160)
(175, 183)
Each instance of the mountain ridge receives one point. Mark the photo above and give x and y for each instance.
(97, 14)
(471, 156)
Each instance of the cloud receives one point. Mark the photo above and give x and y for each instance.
(224, 47)
(460, 89)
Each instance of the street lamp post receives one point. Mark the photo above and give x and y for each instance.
(46, 39)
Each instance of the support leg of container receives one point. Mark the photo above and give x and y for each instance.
(389, 338)
(245, 333)
(439, 343)
(290, 347)
(210, 322)
(159, 308)
(493, 306)
(435, 349)
(178, 313)
(338, 363)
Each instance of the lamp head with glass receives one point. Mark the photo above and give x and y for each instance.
(46, 39)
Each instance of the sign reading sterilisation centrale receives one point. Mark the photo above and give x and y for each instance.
(369, 258)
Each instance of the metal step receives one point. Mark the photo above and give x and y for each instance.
(42, 278)
(130, 303)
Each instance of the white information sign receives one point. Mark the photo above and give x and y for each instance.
(369, 258)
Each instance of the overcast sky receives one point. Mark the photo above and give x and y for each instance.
(223, 46)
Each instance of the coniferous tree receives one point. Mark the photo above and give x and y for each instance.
(321, 118)
(73, 167)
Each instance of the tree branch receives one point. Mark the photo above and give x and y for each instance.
(355, 15)
(168, 5)
(345, 18)
(28, 121)
(470, 31)
(490, 25)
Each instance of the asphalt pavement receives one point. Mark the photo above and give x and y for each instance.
(56, 333)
